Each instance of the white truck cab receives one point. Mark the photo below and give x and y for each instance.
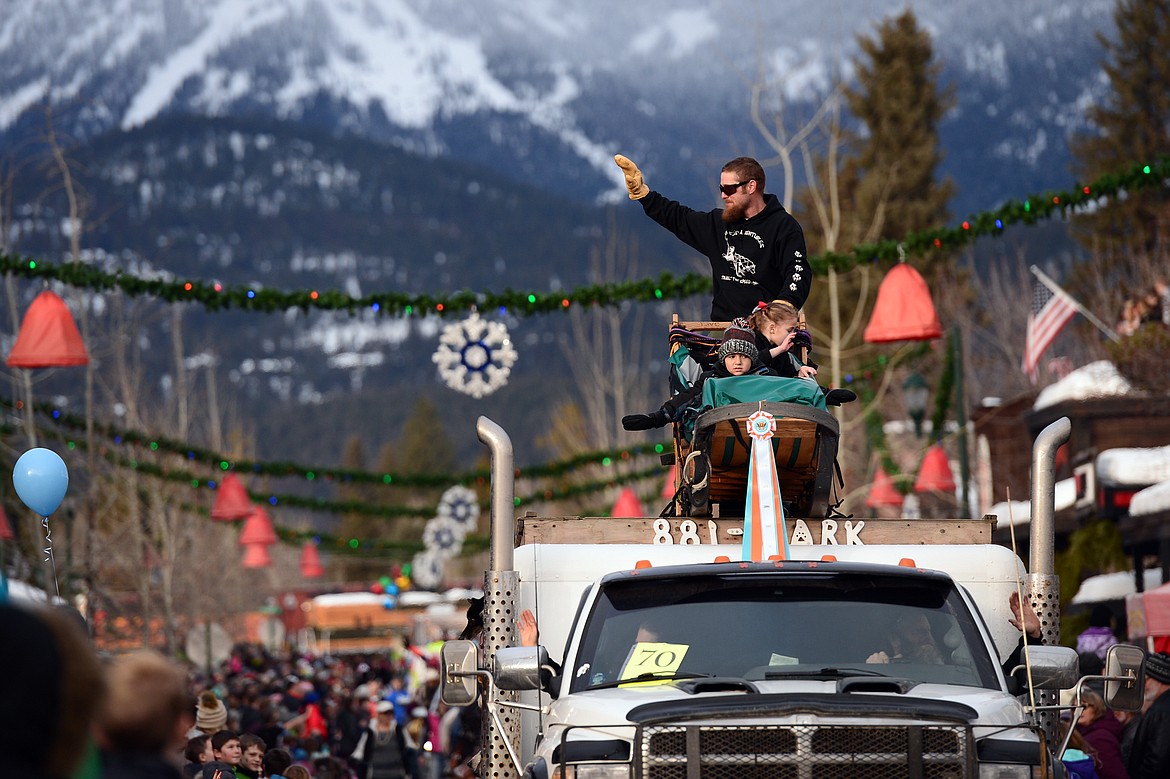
(670, 660)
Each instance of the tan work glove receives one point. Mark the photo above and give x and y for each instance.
(634, 182)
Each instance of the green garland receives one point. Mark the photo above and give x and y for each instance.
(577, 490)
(873, 423)
(875, 433)
(946, 387)
(180, 476)
(353, 547)
(284, 468)
(215, 297)
(341, 544)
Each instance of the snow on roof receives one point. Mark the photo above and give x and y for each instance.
(1020, 514)
(1151, 500)
(462, 593)
(26, 593)
(1114, 586)
(1066, 496)
(1126, 467)
(348, 599)
(419, 598)
(408, 598)
(1096, 380)
(1066, 493)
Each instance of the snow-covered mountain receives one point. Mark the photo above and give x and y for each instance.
(547, 91)
(435, 145)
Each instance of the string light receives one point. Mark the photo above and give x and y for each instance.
(216, 297)
(286, 469)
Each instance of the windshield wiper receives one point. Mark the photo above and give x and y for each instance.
(824, 674)
(650, 676)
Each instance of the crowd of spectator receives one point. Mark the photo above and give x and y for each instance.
(362, 716)
(70, 714)
(259, 715)
(1151, 306)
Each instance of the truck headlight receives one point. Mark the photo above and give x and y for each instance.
(1010, 759)
(596, 771)
(592, 759)
(1009, 771)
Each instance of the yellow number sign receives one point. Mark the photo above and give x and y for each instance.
(648, 657)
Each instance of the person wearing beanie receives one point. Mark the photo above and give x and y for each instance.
(1149, 757)
(736, 356)
(210, 715)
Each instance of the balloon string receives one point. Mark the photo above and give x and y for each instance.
(49, 553)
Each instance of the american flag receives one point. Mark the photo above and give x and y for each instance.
(1051, 310)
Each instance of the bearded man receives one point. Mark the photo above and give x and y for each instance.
(755, 247)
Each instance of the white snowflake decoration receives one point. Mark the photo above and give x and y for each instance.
(459, 505)
(426, 570)
(442, 537)
(474, 356)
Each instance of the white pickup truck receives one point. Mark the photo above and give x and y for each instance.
(853, 658)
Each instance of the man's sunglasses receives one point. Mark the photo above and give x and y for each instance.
(729, 189)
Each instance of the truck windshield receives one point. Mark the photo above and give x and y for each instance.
(762, 627)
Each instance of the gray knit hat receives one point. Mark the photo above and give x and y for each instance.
(210, 713)
(739, 338)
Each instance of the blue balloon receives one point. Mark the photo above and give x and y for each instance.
(41, 479)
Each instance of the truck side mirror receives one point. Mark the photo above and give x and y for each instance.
(519, 667)
(1053, 667)
(459, 677)
(1124, 677)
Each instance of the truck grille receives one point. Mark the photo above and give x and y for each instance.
(805, 752)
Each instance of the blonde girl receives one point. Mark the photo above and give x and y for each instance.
(776, 325)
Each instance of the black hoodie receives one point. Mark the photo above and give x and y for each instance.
(758, 259)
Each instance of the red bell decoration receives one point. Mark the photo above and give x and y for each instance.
(627, 505)
(935, 474)
(231, 500)
(883, 492)
(904, 310)
(48, 336)
(256, 556)
(311, 567)
(5, 528)
(668, 487)
(258, 529)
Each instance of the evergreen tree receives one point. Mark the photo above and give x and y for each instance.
(897, 100)
(1093, 549)
(354, 525)
(424, 445)
(1131, 127)
(423, 448)
(875, 180)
